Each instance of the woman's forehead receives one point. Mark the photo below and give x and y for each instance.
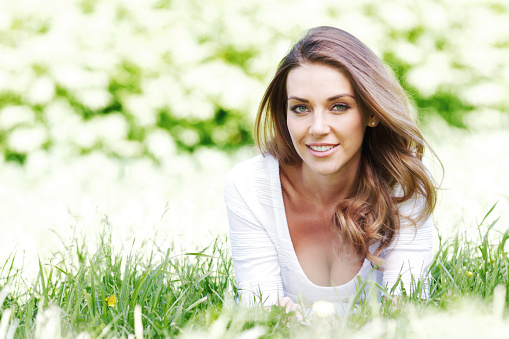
(314, 79)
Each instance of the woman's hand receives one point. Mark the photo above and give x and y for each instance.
(290, 306)
(391, 305)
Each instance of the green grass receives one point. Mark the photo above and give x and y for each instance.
(192, 295)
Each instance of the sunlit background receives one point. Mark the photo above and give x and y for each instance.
(128, 114)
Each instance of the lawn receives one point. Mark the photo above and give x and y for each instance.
(112, 248)
(169, 293)
(119, 121)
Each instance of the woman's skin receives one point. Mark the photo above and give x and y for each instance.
(327, 129)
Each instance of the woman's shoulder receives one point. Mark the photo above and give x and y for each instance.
(253, 169)
(255, 181)
(410, 209)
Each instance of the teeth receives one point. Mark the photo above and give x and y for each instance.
(321, 148)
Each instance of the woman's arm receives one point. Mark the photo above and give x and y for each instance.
(254, 255)
(410, 253)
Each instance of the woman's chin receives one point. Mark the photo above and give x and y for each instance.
(323, 170)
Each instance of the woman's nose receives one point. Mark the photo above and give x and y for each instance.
(319, 125)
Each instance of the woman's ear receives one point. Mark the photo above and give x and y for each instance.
(373, 121)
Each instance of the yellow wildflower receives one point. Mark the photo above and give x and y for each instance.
(470, 274)
(112, 301)
(323, 308)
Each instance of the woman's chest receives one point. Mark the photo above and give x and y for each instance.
(323, 256)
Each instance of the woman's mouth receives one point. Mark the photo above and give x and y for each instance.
(321, 148)
(321, 151)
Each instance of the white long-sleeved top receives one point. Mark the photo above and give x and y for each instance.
(264, 259)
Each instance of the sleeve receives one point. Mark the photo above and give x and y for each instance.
(410, 253)
(254, 255)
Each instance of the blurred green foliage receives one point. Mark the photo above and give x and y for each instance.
(151, 78)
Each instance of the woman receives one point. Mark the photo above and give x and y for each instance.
(340, 191)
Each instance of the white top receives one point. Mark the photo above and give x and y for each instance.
(263, 255)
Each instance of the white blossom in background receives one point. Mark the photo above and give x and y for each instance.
(409, 53)
(160, 145)
(11, 116)
(27, 139)
(399, 15)
(188, 137)
(142, 109)
(190, 58)
(485, 93)
(431, 74)
(42, 91)
(178, 202)
(94, 99)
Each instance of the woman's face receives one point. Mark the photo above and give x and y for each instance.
(324, 120)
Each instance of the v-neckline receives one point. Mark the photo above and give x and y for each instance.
(293, 254)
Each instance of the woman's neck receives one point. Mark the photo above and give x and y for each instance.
(319, 189)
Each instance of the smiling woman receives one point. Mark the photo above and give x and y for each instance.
(340, 191)
(326, 128)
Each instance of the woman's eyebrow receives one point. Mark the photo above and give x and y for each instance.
(329, 99)
(297, 98)
(340, 96)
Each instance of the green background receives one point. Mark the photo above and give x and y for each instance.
(155, 78)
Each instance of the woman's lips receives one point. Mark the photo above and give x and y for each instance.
(321, 151)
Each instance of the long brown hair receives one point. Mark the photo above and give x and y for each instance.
(391, 153)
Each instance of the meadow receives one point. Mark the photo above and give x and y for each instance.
(119, 121)
(121, 249)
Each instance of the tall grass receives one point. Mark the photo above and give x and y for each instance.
(168, 293)
(99, 291)
(473, 268)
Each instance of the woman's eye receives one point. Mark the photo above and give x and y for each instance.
(340, 107)
(299, 109)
